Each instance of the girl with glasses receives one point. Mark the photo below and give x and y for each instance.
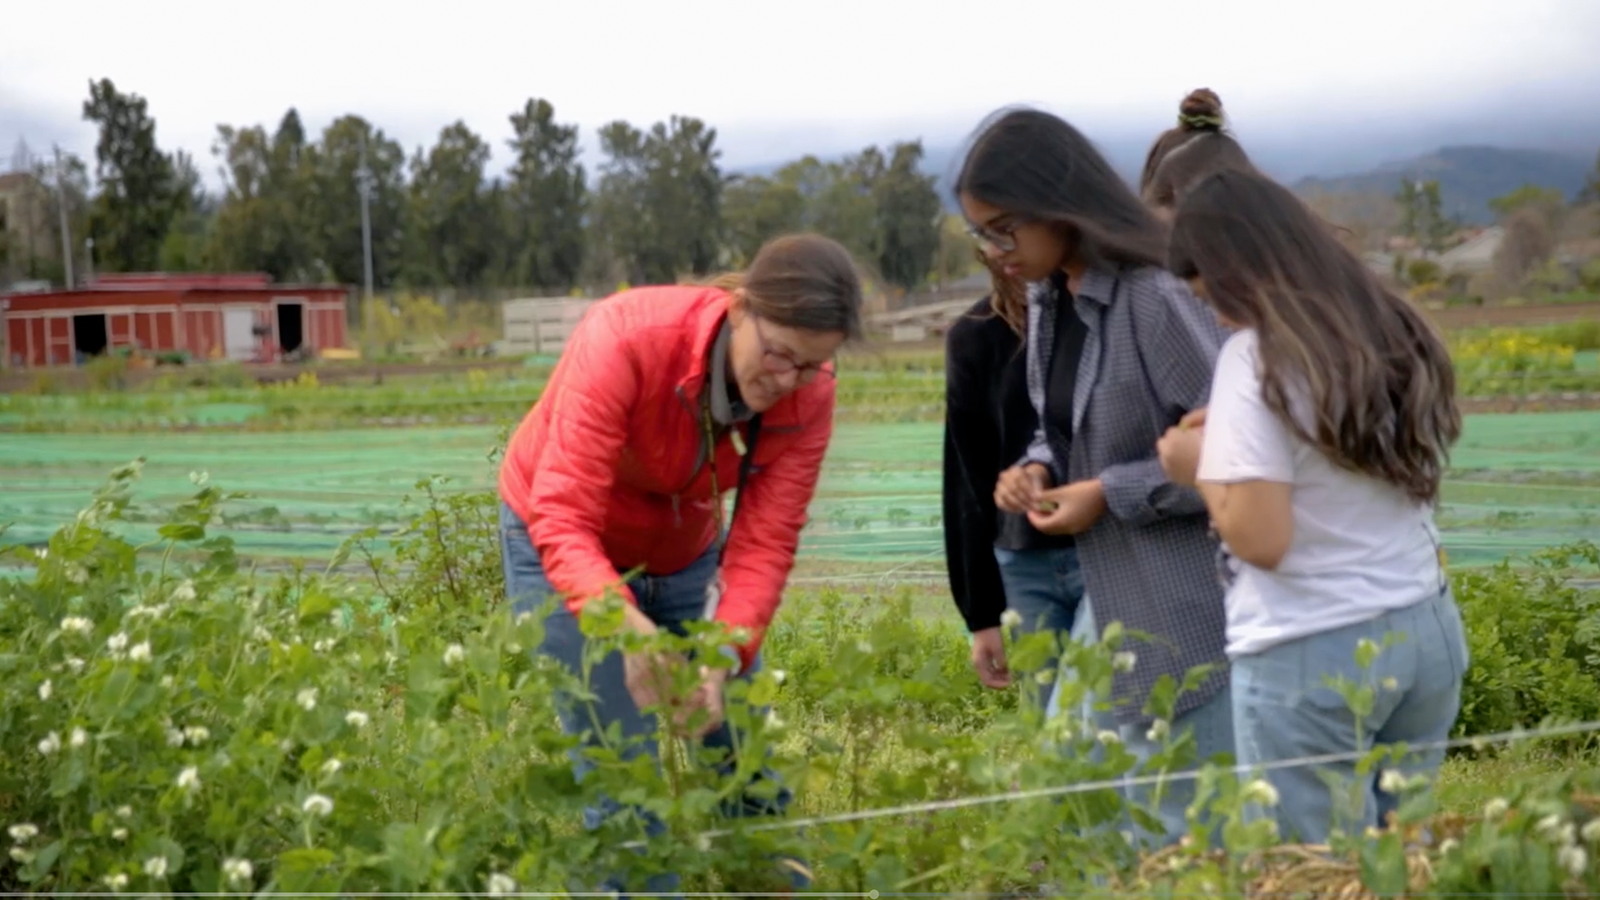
(1118, 351)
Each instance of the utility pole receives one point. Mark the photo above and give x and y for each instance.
(364, 186)
(66, 230)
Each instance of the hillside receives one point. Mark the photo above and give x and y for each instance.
(1469, 177)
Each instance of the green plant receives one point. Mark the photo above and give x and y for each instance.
(1533, 632)
(174, 720)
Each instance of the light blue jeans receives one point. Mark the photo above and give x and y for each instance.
(1211, 723)
(1283, 709)
(1045, 588)
(669, 601)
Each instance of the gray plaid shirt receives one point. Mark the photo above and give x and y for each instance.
(1150, 562)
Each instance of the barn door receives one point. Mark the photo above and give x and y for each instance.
(238, 341)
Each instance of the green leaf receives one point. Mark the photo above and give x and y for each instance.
(182, 531)
(316, 605)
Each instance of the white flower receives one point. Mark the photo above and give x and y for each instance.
(22, 854)
(119, 834)
(168, 682)
(773, 721)
(317, 805)
(116, 882)
(453, 654)
(524, 618)
(864, 647)
(43, 552)
(117, 642)
(46, 689)
(307, 698)
(261, 634)
(501, 884)
(355, 718)
(332, 767)
(156, 867)
(124, 812)
(1574, 859)
(1260, 791)
(1568, 835)
(78, 738)
(77, 574)
(779, 675)
(1108, 737)
(1392, 781)
(1010, 618)
(77, 624)
(237, 871)
(196, 734)
(50, 744)
(1159, 730)
(140, 652)
(1548, 826)
(154, 612)
(1447, 846)
(1591, 831)
(323, 645)
(174, 737)
(199, 478)
(74, 664)
(1123, 660)
(23, 832)
(184, 592)
(1496, 808)
(189, 779)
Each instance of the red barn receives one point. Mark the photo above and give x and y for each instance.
(239, 317)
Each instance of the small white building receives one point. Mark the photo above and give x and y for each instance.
(1476, 254)
(539, 324)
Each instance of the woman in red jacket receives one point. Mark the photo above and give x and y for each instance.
(609, 471)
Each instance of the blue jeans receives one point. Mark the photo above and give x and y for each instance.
(1284, 709)
(1044, 587)
(1211, 723)
(669, 601)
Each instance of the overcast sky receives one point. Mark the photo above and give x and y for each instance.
(779, 80)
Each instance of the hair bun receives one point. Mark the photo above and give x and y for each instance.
(1200, 111)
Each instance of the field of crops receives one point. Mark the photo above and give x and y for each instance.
(188, 709)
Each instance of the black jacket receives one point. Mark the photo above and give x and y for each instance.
(988, 424)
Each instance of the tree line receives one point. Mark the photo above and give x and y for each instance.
(661, 206)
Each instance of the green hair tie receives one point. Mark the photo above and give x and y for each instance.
(1197, 121)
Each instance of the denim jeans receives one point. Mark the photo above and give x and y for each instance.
(1045, 588)
(1211, 723)
(1283, 708)
(669, 601)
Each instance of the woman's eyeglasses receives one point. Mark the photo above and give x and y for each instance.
(1002, 237)
(781, 363)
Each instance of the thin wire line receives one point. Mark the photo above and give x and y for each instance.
(931, 806)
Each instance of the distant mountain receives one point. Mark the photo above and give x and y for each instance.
(1469, 177)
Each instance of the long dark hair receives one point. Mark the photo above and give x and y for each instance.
(1041, 169)
(1374, 375)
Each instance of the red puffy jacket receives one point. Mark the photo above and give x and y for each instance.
(607, 469)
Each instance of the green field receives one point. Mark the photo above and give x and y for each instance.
(1521, 482)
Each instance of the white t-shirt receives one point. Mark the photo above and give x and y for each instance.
(1360, 547)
